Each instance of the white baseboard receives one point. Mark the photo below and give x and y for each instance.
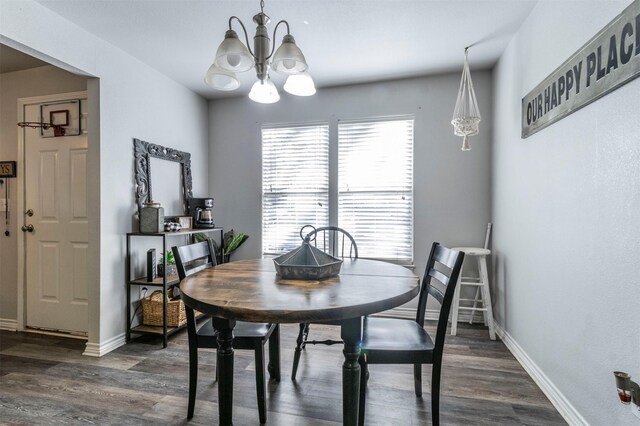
(562, 404)
(100, 349)
(8, 324)
(91, 349)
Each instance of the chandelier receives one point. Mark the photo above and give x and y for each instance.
(234, 57)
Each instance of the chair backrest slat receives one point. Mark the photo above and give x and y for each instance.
(440, 284)
(445, 256)
(437, 294)
(334, 241)
(198, 268)
(187, 258)
(438, 276)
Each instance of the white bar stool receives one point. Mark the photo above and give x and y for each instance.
(481, 284)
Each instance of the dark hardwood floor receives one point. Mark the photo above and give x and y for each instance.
(45, 380)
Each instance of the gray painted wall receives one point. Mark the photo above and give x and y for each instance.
(566, 208)
(39, 81)
(130, 100)
(452, 188)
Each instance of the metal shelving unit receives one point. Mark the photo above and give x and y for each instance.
(164, 282)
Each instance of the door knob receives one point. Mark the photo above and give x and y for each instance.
(27, 228)
(29, 212)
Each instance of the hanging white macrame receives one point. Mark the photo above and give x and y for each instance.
(466, 115)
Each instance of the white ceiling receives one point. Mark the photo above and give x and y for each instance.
(344, 41)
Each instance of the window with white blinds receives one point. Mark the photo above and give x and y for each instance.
(375, 187)
(295, 183)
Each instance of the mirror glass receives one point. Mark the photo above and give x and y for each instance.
(166, 185)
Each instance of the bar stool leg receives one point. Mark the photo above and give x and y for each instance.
(486, 296)
(484, 282)
(475, 306)
(456, 305)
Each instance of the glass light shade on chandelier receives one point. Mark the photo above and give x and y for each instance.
(221, 79)
(300, 85)
(233, 56)
(466, 114)
(264, 92)
(289, 59)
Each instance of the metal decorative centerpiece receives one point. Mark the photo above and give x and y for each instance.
(307, 262)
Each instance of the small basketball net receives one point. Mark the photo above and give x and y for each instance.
(57, 130)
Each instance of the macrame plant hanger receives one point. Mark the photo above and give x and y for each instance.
(466, 115)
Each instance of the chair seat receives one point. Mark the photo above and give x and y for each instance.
(242, 329)
(389, 341)
(328, 322)
(244, 333)
(473, 251)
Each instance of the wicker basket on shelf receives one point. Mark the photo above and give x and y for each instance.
(152, 310)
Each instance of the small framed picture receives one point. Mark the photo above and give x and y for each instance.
(7, 169)
(185, 222)
(59, 118)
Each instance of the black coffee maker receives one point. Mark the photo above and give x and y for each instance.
(201, 211)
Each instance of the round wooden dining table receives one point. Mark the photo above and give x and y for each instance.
(250, 290)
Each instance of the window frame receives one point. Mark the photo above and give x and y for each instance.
(333, 172)
(408, 262)
(267, 127)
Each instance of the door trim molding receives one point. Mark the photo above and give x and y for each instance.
(21, 282)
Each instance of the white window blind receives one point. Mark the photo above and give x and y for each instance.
(375, 187)
(295, 183)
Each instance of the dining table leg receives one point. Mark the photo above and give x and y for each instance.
(225, 368)
(274, 354)
(351, 333)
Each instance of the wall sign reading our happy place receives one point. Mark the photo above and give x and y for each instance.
(607, 61)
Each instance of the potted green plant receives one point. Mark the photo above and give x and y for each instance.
(230, 243)
(171, 264)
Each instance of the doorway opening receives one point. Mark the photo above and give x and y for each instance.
(40, 90)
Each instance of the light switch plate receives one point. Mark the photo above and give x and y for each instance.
(3, 204)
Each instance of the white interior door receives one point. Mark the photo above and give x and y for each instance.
(56, 247)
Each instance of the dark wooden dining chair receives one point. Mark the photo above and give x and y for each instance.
(247, 335)
(338, 243)
(398, 341)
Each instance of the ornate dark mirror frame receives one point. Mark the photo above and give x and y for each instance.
(144, 151)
